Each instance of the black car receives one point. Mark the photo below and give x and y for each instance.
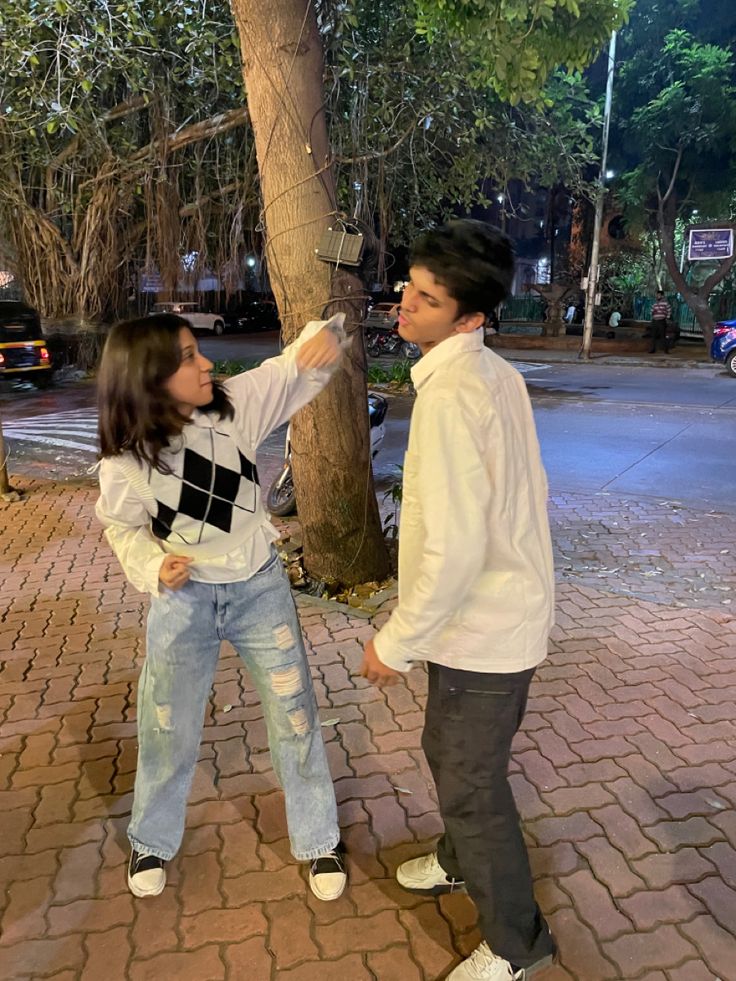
(23, 350)
(254, 315)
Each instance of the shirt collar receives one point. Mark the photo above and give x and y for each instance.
(446, 350)
(201, 420)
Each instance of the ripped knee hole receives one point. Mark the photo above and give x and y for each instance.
(283, 636)
(287, 681)
(299, 721)
(163, 717)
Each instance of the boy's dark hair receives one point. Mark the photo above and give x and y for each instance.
(136, 413)
(473, 261)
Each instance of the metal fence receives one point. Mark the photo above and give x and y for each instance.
(523, 308)
(722, 305)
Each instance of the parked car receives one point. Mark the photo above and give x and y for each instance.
(723, 347)
(383, 316)
(254, 315)
(192, 313)
(24, 353)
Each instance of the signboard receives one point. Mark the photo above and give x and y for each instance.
(710, 243)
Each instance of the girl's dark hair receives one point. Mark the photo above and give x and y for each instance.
(473, 261)
(136, 413)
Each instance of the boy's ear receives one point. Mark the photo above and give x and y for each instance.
(470, 322)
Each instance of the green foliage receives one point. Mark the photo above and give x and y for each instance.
(405, 123)
(376, 375)
(675, 112)
(398, 375)
(517, 44)
(395, 495)
(230, 367)
(102, 167)
(93, 93)
(674, 131)
(401, 372)
(63, 62)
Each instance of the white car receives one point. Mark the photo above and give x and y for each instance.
(192, 313)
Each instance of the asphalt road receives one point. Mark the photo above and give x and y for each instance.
(638, 430)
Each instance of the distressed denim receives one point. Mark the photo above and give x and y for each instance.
(185, 628)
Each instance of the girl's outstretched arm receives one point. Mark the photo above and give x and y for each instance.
(268, 396)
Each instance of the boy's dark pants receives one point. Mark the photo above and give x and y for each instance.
(470, 721)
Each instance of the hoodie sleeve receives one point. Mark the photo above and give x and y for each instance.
(127, 524)
(269, 395)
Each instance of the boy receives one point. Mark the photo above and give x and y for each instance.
(475, 587)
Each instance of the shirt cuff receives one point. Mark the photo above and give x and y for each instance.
(392, 655)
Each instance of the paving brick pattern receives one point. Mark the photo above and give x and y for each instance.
(625, 774)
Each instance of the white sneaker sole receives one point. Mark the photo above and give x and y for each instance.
(328, 897)
(142, 892)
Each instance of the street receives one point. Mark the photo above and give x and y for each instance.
(623, 771)
(629, 429)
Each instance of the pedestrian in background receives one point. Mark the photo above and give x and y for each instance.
(476, 588)
(661, 313)
(181, 505)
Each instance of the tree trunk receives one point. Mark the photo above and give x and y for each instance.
(7, 493)
(697, 300)
(4, 479)
(283, 72)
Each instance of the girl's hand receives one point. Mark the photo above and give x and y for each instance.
(319, 351)
(174, 571)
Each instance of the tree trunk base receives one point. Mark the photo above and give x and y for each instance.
(12, 496)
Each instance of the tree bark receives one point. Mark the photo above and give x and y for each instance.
(4, 480)
(283, 68)
(697, 300)
(7, 493)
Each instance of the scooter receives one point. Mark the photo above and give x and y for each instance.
(280, 497)
(378, 342)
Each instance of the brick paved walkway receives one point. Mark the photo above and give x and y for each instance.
(625, 773)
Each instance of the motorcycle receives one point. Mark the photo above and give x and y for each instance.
(280, 497)
(381, 341)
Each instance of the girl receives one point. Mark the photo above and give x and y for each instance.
(181, 507)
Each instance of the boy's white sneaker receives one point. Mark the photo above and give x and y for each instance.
(425, 874)
(484, 965)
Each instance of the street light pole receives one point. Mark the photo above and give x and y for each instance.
(591, 289)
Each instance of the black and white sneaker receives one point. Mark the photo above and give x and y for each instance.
(146, 874)
(327, 875)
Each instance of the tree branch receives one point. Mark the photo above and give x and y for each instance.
(203, 130)
(378, 154)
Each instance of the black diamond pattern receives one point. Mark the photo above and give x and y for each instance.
(194, 503)
(161, 524)
(248, 469)
(227, 483)
(197, 470)
(208, 494)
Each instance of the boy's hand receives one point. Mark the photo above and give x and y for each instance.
(375, 670)
(174, 571)
(319, 351)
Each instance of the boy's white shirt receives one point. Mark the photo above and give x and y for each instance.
(263, 399)
(476, 583)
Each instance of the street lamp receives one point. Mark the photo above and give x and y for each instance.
(591, 284)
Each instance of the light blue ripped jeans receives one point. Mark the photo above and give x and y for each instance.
(185, 628)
